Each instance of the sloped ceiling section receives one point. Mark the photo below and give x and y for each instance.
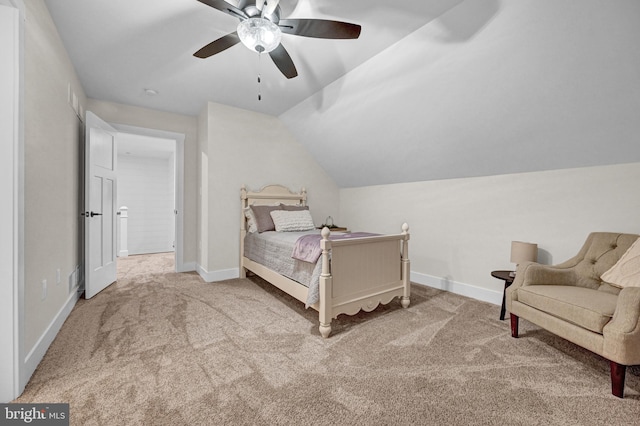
(490, 87)
(120, 48)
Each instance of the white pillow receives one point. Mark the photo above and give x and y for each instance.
(626, 272)
(251, 220)
(292, 221)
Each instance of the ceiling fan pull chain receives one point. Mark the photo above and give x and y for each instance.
(259, 78)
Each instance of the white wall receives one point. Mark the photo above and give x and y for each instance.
(146, 187)
(461, 229)
(53, 136)
(253, 149)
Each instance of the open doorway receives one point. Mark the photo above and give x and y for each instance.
(151, 187)
(146, 195)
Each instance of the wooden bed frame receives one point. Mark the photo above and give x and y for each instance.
(357, 273)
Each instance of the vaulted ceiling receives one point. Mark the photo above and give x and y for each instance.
(122, 47)
(433, 89)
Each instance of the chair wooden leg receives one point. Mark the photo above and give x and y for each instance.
(617, 378)
(514, 326)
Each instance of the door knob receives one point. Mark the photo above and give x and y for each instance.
(95, 214)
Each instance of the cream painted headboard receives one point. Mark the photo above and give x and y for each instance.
(270, 194)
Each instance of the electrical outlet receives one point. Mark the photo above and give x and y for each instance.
(58, 276)
(44, 289)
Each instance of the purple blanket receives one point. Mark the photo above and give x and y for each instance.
(308, 249)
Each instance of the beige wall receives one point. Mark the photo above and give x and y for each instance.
(253, 149)
(52, 158)
(169, 122)
(461, 229)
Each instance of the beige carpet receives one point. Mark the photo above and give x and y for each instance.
(162, 348)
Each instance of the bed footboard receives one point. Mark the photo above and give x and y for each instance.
(361, 273)
(357, 273)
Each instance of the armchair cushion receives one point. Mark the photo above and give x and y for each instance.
(585, 307)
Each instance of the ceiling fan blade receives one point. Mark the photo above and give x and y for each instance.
(225, 7)
(223, 43)
(320, 28)
(283, 61)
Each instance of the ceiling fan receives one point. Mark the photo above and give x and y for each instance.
(260, 29)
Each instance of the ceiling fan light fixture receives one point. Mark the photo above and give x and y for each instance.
(259, 34)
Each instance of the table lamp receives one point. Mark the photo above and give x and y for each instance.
(523, 252)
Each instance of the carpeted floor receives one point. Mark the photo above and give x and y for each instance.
(160, 348)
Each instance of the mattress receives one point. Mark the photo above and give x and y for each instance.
(274, 249)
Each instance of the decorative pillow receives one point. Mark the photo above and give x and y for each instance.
(292, 221)
(293, 207)
(626, 272)
(251, 220)
(263, 218)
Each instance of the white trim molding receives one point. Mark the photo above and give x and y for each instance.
(468, 290)
(179, 177)
(12, 209)
(221, 275)
(38, 351)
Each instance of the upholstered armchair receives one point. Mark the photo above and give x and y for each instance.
(573, 301)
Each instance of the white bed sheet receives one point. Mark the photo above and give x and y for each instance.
(274, 249)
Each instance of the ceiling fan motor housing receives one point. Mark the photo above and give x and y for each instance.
(249, 7)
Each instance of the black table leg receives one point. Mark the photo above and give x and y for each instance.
(504, 295)
(507, 277)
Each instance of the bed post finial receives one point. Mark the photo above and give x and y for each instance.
(325, 233)
(303, 196)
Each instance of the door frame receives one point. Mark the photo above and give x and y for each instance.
(12, 369)
(179, 182)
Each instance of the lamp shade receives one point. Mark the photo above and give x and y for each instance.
(259, 34)
(523, 252)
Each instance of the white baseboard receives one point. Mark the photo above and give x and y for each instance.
(478, 293)
(36, 354)
(221, 275)
(443, 283)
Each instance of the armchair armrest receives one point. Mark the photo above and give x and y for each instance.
(622, 333)
(537, 274)
(532, 273)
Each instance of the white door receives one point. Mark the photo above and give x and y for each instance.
(100, 186)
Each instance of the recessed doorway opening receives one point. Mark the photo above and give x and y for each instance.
(150, 193)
